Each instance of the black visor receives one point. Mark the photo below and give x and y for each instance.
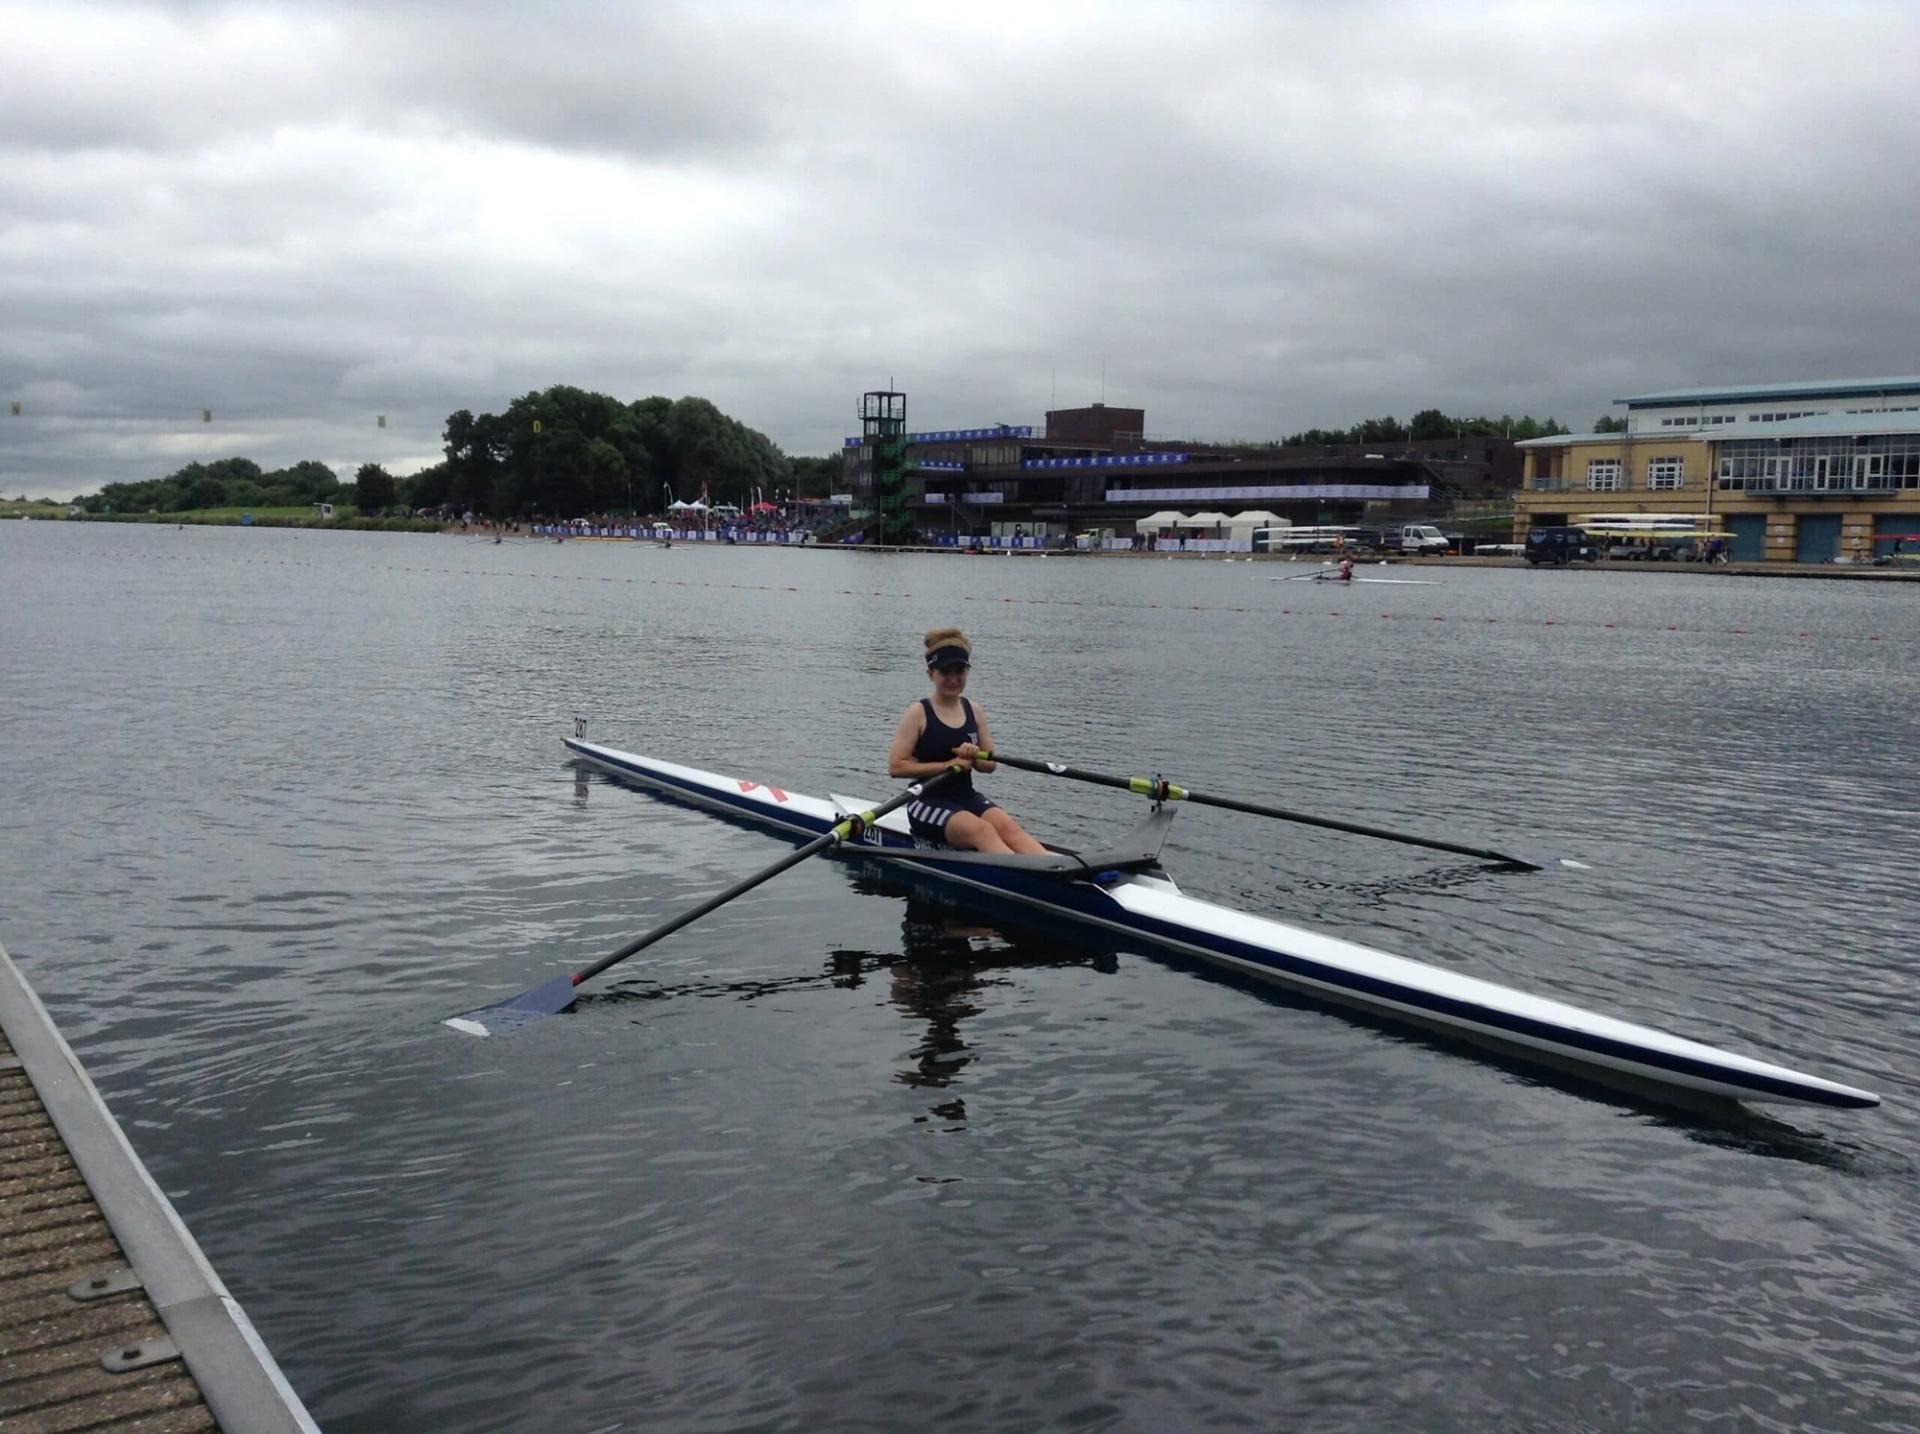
(949, 656)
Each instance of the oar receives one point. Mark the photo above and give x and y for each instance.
(1301, 577)
(1167, 792)
(556, 995)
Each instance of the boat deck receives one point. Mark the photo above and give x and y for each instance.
(110, 1317)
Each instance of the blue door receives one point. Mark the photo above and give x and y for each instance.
(1818, 539)
(1895, 523)
(1749, 537)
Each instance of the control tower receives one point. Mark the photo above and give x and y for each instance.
(883, 426)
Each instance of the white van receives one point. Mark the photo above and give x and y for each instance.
(1416, 538)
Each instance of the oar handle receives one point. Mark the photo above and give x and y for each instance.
(1164, 791)
(848, 829)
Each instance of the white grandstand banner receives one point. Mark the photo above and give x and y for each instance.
(1298, 492)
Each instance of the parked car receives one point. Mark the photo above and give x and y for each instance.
(1560, 546)
(1653, 550)
(1413, 539)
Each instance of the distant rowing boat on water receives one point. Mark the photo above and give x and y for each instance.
(1125, 890)
(1336, 578)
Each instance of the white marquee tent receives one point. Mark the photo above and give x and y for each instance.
(1242, 523)
(1154, 522)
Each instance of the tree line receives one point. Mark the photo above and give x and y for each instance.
(226, 482)
(559, 452)
(1428, 423)
(564, 451)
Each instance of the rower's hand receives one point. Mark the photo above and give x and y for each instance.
(965, 753)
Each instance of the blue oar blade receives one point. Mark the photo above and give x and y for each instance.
(522, 1010)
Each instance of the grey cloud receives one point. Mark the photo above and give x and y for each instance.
(1259, 218)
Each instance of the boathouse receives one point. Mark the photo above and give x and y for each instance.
(1810, 472)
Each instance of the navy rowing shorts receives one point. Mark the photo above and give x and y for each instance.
(928, 815)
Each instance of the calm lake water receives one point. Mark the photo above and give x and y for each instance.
(277, 802)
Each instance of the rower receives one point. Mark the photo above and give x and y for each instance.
(1346, 570)
(938, 731)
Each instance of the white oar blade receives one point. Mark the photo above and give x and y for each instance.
(1536, 862)
(522, 1010)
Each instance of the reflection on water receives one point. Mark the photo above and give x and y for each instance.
(1749, 1130)
(946, 967)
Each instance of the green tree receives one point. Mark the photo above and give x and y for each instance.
(425, 489)
(308, 481)
(1608, 424)
(647, 420)
(1431, 423)
(373, 489)
(561, 451)
(206, 491)
(1321, 438)
(473, 459)
(1382, 430)
(725, 456)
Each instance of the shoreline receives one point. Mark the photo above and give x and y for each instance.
(1843, 571)
(1752, 570)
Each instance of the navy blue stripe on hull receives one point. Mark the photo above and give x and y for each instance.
(1378, 994)
(1090, 903)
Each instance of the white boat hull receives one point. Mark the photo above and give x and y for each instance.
(1147, 905)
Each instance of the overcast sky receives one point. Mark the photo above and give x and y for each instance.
(1246, 219)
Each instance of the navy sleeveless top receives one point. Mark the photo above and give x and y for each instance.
(937, 742)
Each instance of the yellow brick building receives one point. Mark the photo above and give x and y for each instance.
(1811, 472)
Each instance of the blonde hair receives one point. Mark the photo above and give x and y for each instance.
(948, 636)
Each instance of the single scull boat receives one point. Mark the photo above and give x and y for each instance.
(1126, 890)
(1336, 578)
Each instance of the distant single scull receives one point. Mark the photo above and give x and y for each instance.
(1336, 578)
